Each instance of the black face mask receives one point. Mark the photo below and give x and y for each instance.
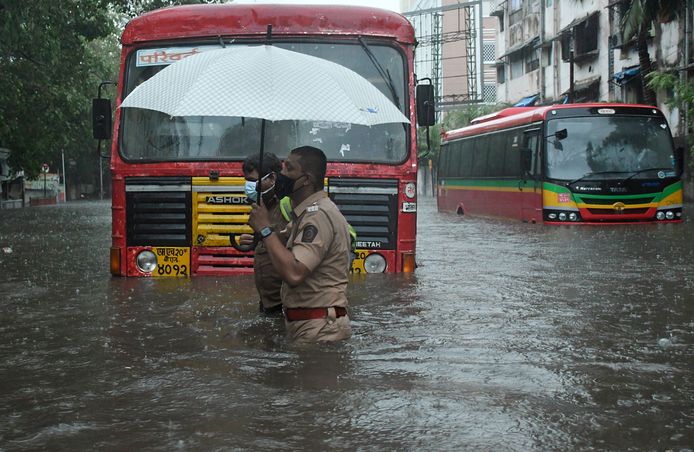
(284, 185)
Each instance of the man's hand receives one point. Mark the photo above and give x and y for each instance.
(246, 240)
(259, 217)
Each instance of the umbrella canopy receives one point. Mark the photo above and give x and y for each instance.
(264, 82)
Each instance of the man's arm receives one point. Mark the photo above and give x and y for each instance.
(290, 270)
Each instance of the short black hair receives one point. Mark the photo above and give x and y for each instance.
(271, 164)
(313, 161)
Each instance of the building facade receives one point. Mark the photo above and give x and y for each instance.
(456, 49)
(549, 51)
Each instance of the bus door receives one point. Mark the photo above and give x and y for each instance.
(530, 183)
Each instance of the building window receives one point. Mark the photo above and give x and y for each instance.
(489, 52)
(501, 73)
(532, 60)
(585, 38)
(516, 5)
(489, 93)
(516, 63)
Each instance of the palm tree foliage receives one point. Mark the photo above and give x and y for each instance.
(639, 17)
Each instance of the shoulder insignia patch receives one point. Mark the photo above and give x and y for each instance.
(310, 233)
(313, 208)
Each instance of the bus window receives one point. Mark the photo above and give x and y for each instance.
(512, 157)
(601, 145)
(480, 154)
(531, 141)
(495, 162)
(466, 148)
(442, 163)
(233, 138)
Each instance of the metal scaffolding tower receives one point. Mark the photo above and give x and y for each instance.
(459, 27)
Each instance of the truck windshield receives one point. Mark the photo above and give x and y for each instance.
(148, 135)
(608, 147)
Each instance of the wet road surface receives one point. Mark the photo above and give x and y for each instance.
(508, 337)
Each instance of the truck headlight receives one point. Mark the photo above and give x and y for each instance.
(410, 190)
(146, 261)
(374, 263)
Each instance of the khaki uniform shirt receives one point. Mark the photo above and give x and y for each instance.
(319, 239)
(267, 280)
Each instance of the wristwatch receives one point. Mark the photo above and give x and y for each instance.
(265, 232)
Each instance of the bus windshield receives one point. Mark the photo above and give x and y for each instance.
(153, 136)
(609, 146)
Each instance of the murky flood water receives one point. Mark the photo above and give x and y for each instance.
(508, 337)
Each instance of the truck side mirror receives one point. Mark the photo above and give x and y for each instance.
(101, 119)
(426, 106)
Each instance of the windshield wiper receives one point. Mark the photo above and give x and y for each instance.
(636, 173)
(385, 75)
(595, 174)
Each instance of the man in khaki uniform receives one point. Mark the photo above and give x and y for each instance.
(315, 262)
(267, 279)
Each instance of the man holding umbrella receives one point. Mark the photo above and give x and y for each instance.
(315, 262)
(267, 281)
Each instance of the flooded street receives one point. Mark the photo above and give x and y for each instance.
(509, 336)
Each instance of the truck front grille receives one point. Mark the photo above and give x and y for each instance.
(371, 207)
(158, 211)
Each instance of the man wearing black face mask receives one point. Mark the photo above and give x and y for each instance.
(267, 280)
(315, 262)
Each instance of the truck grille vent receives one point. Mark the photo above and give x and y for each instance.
(158, 211)
(370, 206)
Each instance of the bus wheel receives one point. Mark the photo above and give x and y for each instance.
(460, 211)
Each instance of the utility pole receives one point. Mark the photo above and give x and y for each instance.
(62, 156)
(571, 72)
(98, 146)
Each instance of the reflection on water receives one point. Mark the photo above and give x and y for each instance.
(508, 337)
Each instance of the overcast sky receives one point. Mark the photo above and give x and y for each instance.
(393, 5)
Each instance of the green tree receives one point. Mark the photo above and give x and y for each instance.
(682, 98)
(639, 18)
(52, 55)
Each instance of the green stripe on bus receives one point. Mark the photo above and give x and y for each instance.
(473, 183)
(670, 189)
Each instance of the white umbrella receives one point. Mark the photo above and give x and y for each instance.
(264, 82)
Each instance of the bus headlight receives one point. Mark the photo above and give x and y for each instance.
(374, 263)
(146, 261)
(669, 215)
(562, 216)
(573, 216)
(552, 216)
(410, 190)
(660, 215)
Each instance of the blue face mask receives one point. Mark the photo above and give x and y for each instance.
(251, 190)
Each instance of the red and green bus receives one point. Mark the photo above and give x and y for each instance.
(178, 195)
(563, 164)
